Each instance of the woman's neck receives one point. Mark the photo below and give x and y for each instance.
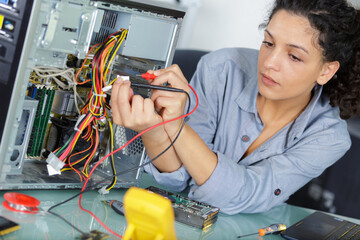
(280, 111)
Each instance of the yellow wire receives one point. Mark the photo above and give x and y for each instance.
(112, 156)
(97, 100)
(122, 37)
(90, 109)
(104, 74)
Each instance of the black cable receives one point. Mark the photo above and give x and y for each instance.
(148, 86)
(69, 223)
(90, 188)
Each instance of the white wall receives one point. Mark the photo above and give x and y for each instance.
(228, 23)
(355, 3)
(214, 24)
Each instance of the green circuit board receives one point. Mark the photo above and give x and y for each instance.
(188, 211)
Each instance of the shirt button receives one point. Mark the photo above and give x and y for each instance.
(245, 138)
(277, 192)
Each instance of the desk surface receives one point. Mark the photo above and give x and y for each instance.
(50, 227)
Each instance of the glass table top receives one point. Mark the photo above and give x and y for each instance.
(46, 226)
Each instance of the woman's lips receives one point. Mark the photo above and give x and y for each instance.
(268, 80)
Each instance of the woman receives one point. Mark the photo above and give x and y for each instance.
(268, 122)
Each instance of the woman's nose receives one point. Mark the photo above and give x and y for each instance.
(272, 60)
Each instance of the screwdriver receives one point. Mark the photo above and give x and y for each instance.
(147, 76)
(274, 228)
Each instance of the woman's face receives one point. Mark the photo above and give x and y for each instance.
(290, 60)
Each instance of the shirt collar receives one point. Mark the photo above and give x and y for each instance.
(247, 97)
(303, 119)
(247, 101)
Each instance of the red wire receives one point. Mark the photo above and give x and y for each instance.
(81, 127)
(126, 144)
(94, 150)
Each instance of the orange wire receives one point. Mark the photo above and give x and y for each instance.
(88, 133)
(74, 169)
(88, 119)
(102, 63)
(94, 150)
(73, 155)
(77, 74)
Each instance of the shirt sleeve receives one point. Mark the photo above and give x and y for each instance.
(270, 182)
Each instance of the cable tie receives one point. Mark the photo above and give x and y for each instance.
(96, 107)
(99, 95)
(114, 37)
(78, 122)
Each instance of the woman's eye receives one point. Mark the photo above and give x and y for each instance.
(268, 44)
(294, 58)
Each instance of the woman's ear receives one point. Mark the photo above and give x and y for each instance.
(328, 71)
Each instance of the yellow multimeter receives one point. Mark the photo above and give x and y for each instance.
(149, 216)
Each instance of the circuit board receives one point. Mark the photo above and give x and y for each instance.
(188, 211)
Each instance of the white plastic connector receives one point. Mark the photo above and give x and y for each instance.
(124, 78)
(54, 164)
(103, 190)
(107, 88)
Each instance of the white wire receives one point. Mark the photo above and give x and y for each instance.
(67, 74)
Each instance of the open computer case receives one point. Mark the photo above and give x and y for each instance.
(39, 40)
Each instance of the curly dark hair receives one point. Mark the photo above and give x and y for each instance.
(338, 26)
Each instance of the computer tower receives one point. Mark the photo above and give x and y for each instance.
(43, 45)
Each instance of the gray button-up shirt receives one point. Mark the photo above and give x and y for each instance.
(228, 122)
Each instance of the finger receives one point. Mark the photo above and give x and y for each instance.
(137, 106)
(122, 80)
(178, 71)
(114, 102)
(157, 93)
(172, 107)
(123, 103)
(171, 78)
(173, 68)
(149, 108)
(158, 72)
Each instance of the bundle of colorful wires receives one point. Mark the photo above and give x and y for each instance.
(95, 115)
